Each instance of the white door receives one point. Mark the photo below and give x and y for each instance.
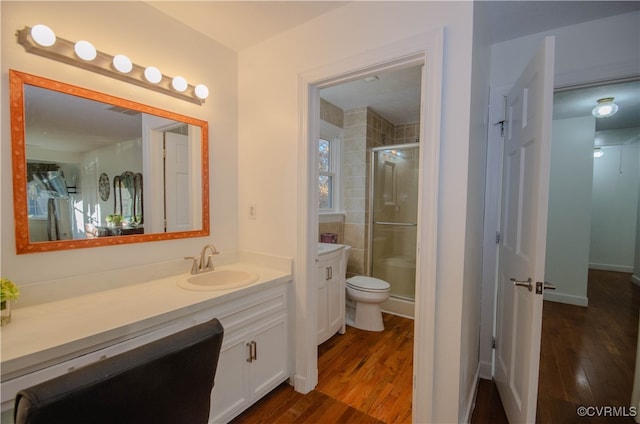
(525, 192)
(177, 183)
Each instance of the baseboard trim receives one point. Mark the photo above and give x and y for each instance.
(635, 279)
(473, 394)
(300, 384)
(611, 267)
(566, 298)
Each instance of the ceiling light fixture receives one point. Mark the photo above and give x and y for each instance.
(605, 108)
(41, 40)
(597, 152)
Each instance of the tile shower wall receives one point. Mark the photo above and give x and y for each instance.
(363, 129)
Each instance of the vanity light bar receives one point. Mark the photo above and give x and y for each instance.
(65, 51)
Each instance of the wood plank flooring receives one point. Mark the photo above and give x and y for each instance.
(587, 355)
(587, 358)
(364, 377)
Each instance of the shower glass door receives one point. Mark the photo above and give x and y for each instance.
(393, 217)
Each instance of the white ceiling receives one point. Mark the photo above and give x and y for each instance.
(395, 95)
(240, 24)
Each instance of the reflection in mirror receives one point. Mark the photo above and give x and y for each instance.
(93, 170)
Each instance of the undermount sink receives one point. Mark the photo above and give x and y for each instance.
(223, 279)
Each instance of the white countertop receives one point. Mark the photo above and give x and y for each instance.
(50, 332)
(325, 248)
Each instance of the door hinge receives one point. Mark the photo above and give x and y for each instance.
(493, 343)
(497, 237)
(501, 123)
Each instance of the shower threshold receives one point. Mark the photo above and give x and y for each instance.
(400, 306)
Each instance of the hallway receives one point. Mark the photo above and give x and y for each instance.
(587, 355)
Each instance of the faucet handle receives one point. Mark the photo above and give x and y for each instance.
(194, 266)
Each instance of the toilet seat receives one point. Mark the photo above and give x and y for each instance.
(368, 284)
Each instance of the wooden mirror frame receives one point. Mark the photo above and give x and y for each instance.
(17, 80)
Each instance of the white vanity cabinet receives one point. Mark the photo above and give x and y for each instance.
(254, 355)
(331, 290)
(254, 358)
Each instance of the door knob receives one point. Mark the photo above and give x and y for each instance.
(526, 284)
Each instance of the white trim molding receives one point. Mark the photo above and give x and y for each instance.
(423, 49)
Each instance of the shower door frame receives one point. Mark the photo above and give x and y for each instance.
(370, 204)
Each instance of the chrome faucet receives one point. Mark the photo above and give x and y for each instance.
(209, 266)
(199, 267)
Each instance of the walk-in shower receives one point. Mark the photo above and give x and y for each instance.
(393, 210)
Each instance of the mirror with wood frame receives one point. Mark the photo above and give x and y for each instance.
(91, 169)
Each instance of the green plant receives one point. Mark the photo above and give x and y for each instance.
(8, 290)
(114, 218)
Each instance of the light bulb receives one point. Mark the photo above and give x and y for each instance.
(605, 108)
(43, 35)
(153, 74)
(122, 63)
(85, 50)
(202, 92)
(179, 84)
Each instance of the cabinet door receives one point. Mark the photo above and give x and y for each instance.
(323, 318)
(335, 294)
(269, 368)
(231, 392)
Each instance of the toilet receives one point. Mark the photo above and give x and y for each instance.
(366, 294)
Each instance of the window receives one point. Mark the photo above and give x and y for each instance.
(327, 154)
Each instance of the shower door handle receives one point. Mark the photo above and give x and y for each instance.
(406, 224)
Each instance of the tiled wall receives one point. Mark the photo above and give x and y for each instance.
(331, 113)
(363, 129)
(407, 133)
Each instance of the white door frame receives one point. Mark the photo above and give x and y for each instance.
(426, 49)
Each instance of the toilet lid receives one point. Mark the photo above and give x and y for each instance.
(368, 283)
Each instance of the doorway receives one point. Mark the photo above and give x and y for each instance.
(403, 53)
(591, 248)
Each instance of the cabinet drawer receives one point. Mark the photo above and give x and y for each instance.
(10, 388)
(240, 312)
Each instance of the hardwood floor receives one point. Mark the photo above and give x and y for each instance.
(587, 355)
(364, 377)
(587, 358)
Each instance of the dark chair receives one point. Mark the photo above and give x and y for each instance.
(166, 381)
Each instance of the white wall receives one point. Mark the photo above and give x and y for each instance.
(592, 51)
(268, 150)
(471, 302)
(149, 38)
(615, 208)
(569, 216)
